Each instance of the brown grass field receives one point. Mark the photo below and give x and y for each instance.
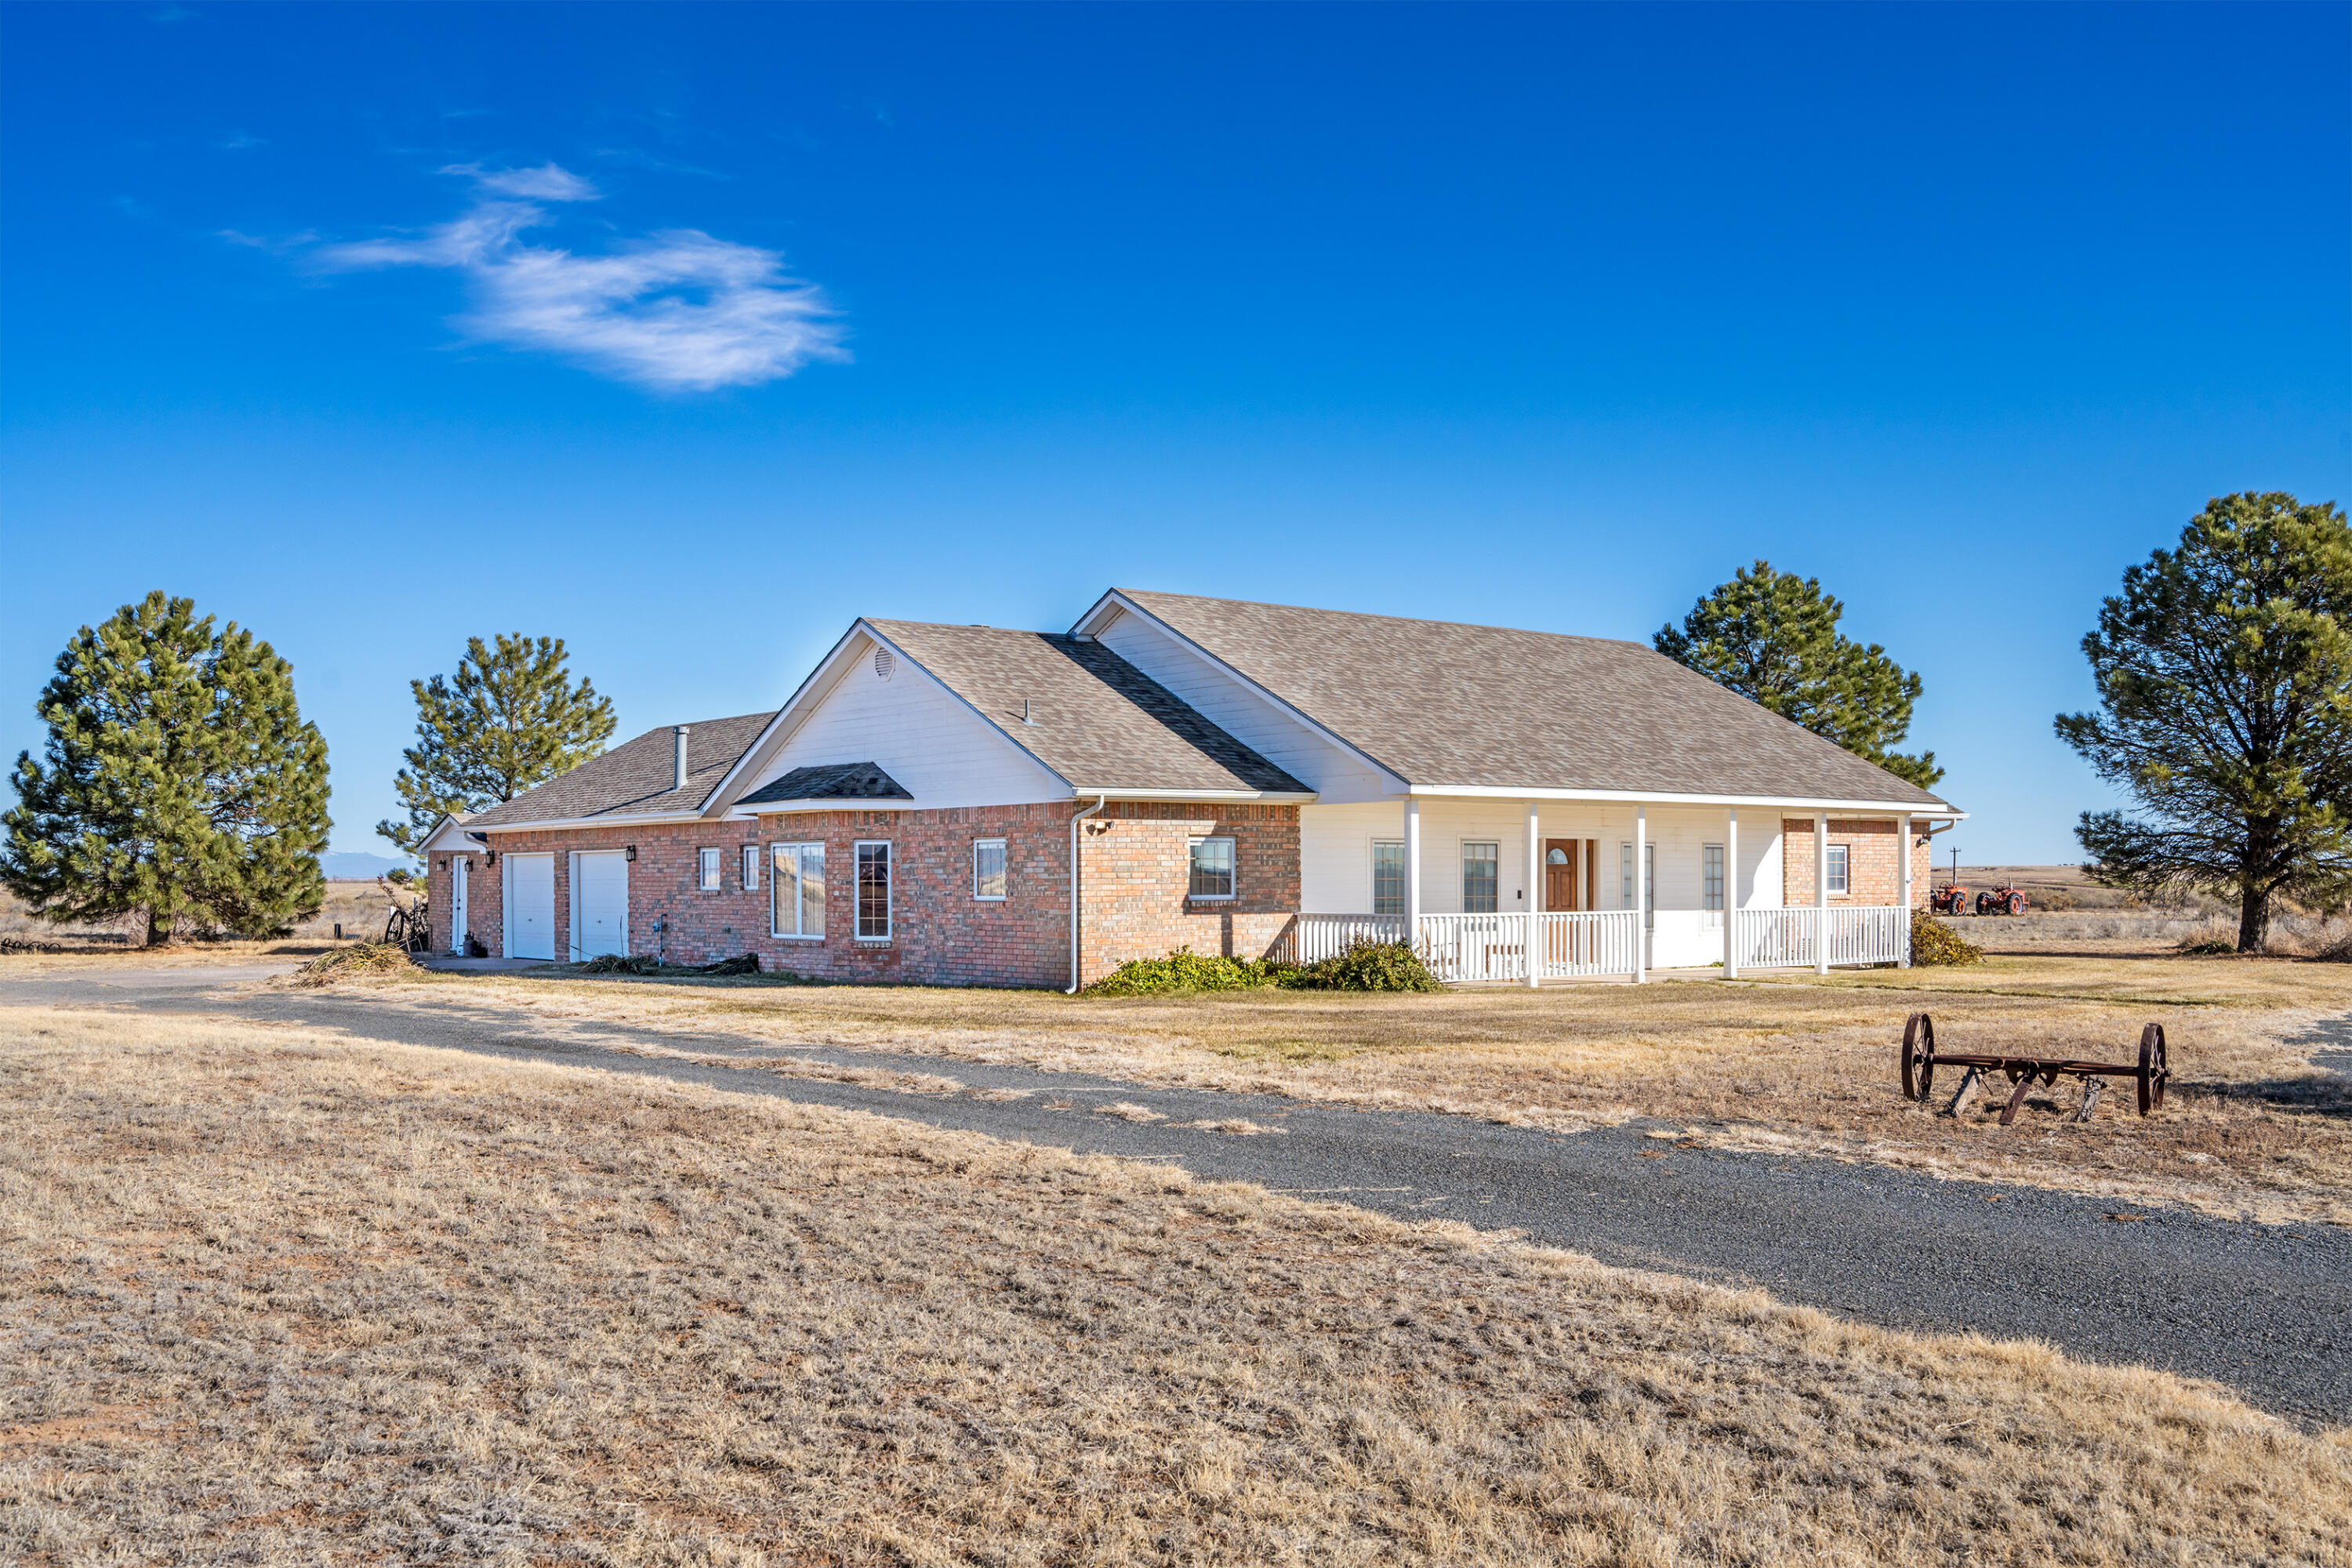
(275, 1298)
(1792, 1064)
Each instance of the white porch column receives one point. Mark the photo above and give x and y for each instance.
(1640, 894)
(1822, 892)
(1730, 892)
(1413, 873)
(1535, 899)
(1903, 848)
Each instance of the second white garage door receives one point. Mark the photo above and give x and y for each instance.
(530, 906)
(600, 895)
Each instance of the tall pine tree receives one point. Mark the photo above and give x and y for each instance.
(2225, 709)
(511, 718)
(180, 783)
(1772, 636)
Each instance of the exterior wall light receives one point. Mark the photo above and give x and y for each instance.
(630, 853)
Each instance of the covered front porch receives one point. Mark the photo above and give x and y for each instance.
(1492, 889)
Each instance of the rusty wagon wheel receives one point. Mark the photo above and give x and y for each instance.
(2152, 1069)
(1918, 1056)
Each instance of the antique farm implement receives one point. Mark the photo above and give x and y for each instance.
(1920, 1060)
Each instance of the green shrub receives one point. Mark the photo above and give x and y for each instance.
(1933, 941)
(1367, 966)
(1182, 970)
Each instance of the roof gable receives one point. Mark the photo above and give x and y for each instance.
(1095, 719)
(838, 781)
(1442, 704)
(636, 778)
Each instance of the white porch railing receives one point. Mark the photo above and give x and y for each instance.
(1603, 941)
(1468, 949)
(1795, 937)
(1465, 949)
(1311, 939)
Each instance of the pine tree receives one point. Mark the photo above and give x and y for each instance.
(181, 782)
(2225, 685)
(1772, 636)
(511, 718)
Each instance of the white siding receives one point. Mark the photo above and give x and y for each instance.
(1334, 857)
(920, 733)
(1335, 773)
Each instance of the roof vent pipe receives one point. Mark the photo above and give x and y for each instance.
(677, 773)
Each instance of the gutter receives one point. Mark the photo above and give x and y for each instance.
(1081, 816)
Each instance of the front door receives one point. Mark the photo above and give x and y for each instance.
(1560, 875)
(457, 864)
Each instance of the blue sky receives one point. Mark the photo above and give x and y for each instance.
(691, 334)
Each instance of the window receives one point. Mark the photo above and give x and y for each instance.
(750, 868)
(1482, 866)
(1213, 869)
(988, 867)
(873, 893)
(1838, 882)
(1712, 864)
(1388, 878)
(1649, 904)
(797, 891)
(712, 862)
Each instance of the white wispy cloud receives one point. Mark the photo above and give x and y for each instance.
(678, 310)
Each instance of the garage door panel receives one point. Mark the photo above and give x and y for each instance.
(603, 903)
(530, 906)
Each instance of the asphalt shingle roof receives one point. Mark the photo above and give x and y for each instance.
(831, 781)
(1095, 719)
(1440, 703)
(634, 778)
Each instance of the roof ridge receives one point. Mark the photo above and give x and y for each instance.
(1140, 594)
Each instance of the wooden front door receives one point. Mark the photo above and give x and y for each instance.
(1560, 875)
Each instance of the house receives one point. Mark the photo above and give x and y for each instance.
(966, 804)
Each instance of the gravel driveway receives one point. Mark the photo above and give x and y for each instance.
(2261, 1308)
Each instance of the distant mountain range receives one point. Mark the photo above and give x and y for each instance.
(351, 865)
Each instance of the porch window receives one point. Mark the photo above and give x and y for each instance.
(988, 868)
(873, 891)
(1481, 877)
(797, 891)
(1649, 894)
(1213, 869)
(1388, 878)
(1839, 883)
(1711, 861)
(709, 864)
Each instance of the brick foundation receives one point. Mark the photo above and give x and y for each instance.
(1873, 860)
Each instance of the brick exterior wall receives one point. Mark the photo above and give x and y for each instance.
(1873, 862)
(1134, 860)
(482, 908)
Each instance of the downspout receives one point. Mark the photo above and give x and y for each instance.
(1081, 816)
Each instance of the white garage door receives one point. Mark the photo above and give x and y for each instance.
(602, 897)
(530, 906)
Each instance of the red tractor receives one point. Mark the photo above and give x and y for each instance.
(1951, 898)
(2001, 900)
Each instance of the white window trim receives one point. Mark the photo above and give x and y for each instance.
(1840, 863)
(858, 892)
(795, 846)
(1713, 918)
(750, 871)
(1003, 847)
(710, 870)
(1461, 861)
(1195, 842)
(1372, 870)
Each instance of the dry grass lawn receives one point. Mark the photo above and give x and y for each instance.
(1794, 1065)
(272, 1298)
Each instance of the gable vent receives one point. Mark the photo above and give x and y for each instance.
(886, 663)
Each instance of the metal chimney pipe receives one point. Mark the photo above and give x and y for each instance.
(678, 779)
